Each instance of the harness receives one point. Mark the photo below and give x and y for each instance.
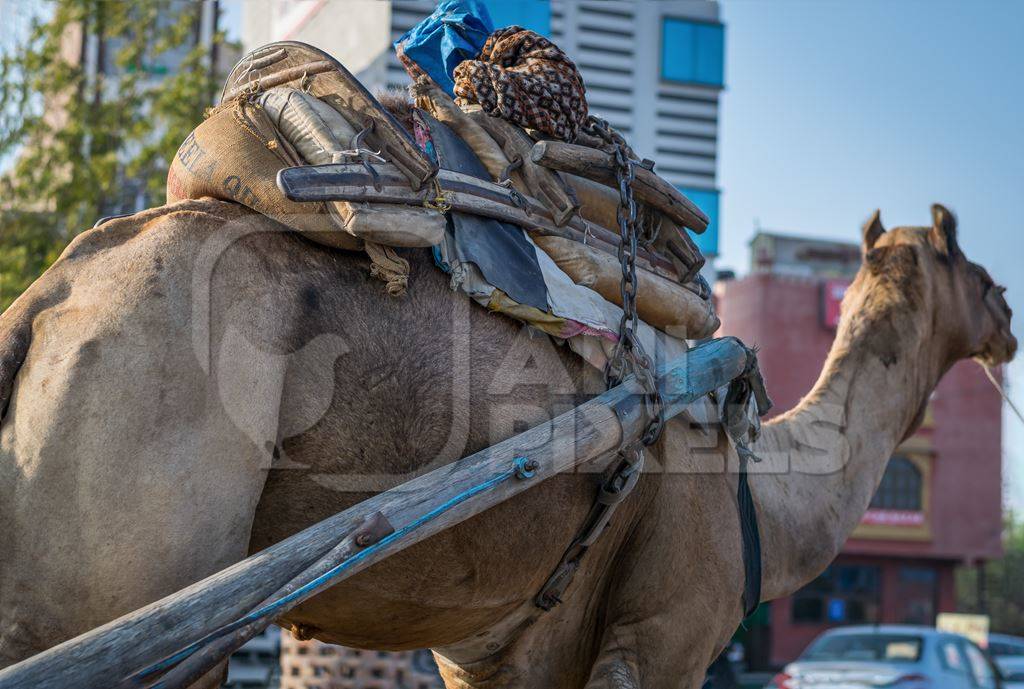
(448, 174)
(628, 359)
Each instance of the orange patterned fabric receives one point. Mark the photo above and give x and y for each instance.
(524, 78)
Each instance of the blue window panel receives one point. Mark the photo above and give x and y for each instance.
(529, 14)
(707, 201)
(710, 54)
(836, 610)
(692, 52)
(678, 56)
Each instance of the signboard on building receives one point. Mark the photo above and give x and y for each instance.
(832, 292)
(974, 627)
(881, 517)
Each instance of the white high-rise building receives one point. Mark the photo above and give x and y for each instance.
(654, 69)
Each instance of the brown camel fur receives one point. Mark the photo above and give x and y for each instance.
(193, 383)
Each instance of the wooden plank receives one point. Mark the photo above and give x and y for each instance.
(109, 656)
(599, 204)
(682, 248)
(599, 166)
(281, 78)
(352, 182)
(543, 183)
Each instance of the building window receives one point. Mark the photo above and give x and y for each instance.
(842, 594)
(917, 592)
(707, 201)
(529, 14)
(692, 52)
(901, 487)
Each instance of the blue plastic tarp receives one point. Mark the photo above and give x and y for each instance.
(456, 31)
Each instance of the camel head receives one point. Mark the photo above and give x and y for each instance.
(921, 278)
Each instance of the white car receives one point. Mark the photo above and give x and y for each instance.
(1012, 668)
(1008, 653)
(891, 656)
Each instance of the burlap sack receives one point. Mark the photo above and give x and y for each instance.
(661, 303)
(235, 155)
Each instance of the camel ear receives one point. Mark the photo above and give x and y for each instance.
(943, 232)
(871, 231)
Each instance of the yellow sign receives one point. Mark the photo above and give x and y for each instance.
(974, 627)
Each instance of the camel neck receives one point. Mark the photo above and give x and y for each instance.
(867, 397)
(823, 460)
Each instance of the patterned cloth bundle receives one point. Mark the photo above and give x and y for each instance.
(512, 73)
(524, 78)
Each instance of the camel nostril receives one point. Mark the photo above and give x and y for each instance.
(999, 349)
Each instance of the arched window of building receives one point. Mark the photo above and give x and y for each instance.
(901, 486)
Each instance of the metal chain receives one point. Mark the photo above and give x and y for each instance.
(629, 357)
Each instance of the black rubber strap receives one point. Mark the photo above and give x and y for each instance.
(751, 543)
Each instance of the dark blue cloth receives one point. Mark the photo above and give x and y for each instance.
(456, 31)
(501, 251)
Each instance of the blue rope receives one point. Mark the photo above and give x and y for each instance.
(270, 608)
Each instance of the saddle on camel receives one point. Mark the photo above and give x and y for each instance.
(535, 208)
(519, 200)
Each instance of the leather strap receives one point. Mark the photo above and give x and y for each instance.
(751, 542)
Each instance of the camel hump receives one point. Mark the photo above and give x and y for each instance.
(86, 253)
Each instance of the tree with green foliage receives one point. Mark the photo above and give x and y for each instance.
(1000, 593)
(95, 97)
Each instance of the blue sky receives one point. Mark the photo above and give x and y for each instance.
(833, 109)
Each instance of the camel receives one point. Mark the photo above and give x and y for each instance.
(195, 382)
